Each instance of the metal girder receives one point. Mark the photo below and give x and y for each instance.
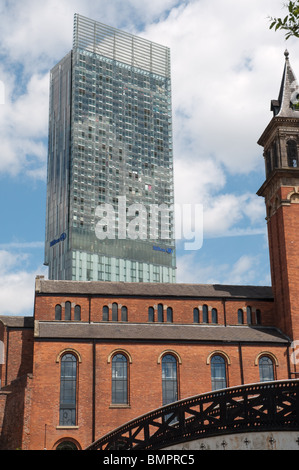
(254, 407)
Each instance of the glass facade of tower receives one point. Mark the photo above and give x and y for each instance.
(110, 164)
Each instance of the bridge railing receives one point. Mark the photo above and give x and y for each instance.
(254, 407)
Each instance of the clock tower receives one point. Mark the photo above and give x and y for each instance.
(280, 141)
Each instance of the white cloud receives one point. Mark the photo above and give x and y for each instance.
(16, 284)
(37, 34)
(34, 33)
(223, 59)
(242, 272)
(204, 182)
(227, 213)
(24, 127)
(195, 180)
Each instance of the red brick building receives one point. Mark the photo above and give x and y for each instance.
(96, 355)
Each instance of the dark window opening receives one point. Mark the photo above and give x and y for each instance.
(68, 390)
(218, 372)
(151, 314)
(195, 315)
(205, 314)
(292, 154)
(58, 312)
(119, 379)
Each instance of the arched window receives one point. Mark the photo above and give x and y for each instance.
(68, 390)
(67, 311)
(105, 312)
(124, 313)
(258, 317)
(240, 316)
(195, 315)
(77, 316)
(151, 314)
(214, 315)
(275, 155)
(292, 153)
(266, 369)
(119, 379)
(160, 313)
(58, 312)
(249, 315)
(205, 311)
(114, 312)
(169, 379)
(218, 372)
(67, 445)
(169, 314)
(268, 162)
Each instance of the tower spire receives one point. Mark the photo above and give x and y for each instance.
(287, 104)
(280, 141)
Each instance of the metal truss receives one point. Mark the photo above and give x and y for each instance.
(92, 36)
(255, 407)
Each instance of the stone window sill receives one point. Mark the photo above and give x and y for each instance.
(119, 406)
(67, 427)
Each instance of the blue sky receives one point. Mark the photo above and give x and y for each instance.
(226, 68)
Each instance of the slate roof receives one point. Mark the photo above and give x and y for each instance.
(157, 332)
(16, 321)
(288, 90)
(138, 289)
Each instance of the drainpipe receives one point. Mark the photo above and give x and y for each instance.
(94, 391)
(6, 355)
(224, 310)
(241, 363)
(288, 361)
(89, 308)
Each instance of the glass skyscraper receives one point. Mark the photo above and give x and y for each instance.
(110, 188)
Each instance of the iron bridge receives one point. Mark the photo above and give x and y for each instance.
(256, 407)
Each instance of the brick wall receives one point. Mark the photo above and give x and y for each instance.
(35, 407)
(15, 406)
(92, 308)
(18, 350)
(145, 382)
(284, 256)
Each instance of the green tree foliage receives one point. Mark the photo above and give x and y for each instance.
(290, 23)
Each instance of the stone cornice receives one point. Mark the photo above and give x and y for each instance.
(277, 121)
(278, 174)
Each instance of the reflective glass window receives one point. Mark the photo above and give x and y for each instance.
(266, 369)
(218, 372)
(58, 312)
(205, 318)
(169, 379)
(119, 379)
(68, 390)
(67, 311)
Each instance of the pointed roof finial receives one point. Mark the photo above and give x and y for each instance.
(288, 99)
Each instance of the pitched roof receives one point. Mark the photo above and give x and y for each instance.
(138, 289)
(14, 321)
(158, 332)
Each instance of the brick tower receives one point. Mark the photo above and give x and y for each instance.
(280, 141)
